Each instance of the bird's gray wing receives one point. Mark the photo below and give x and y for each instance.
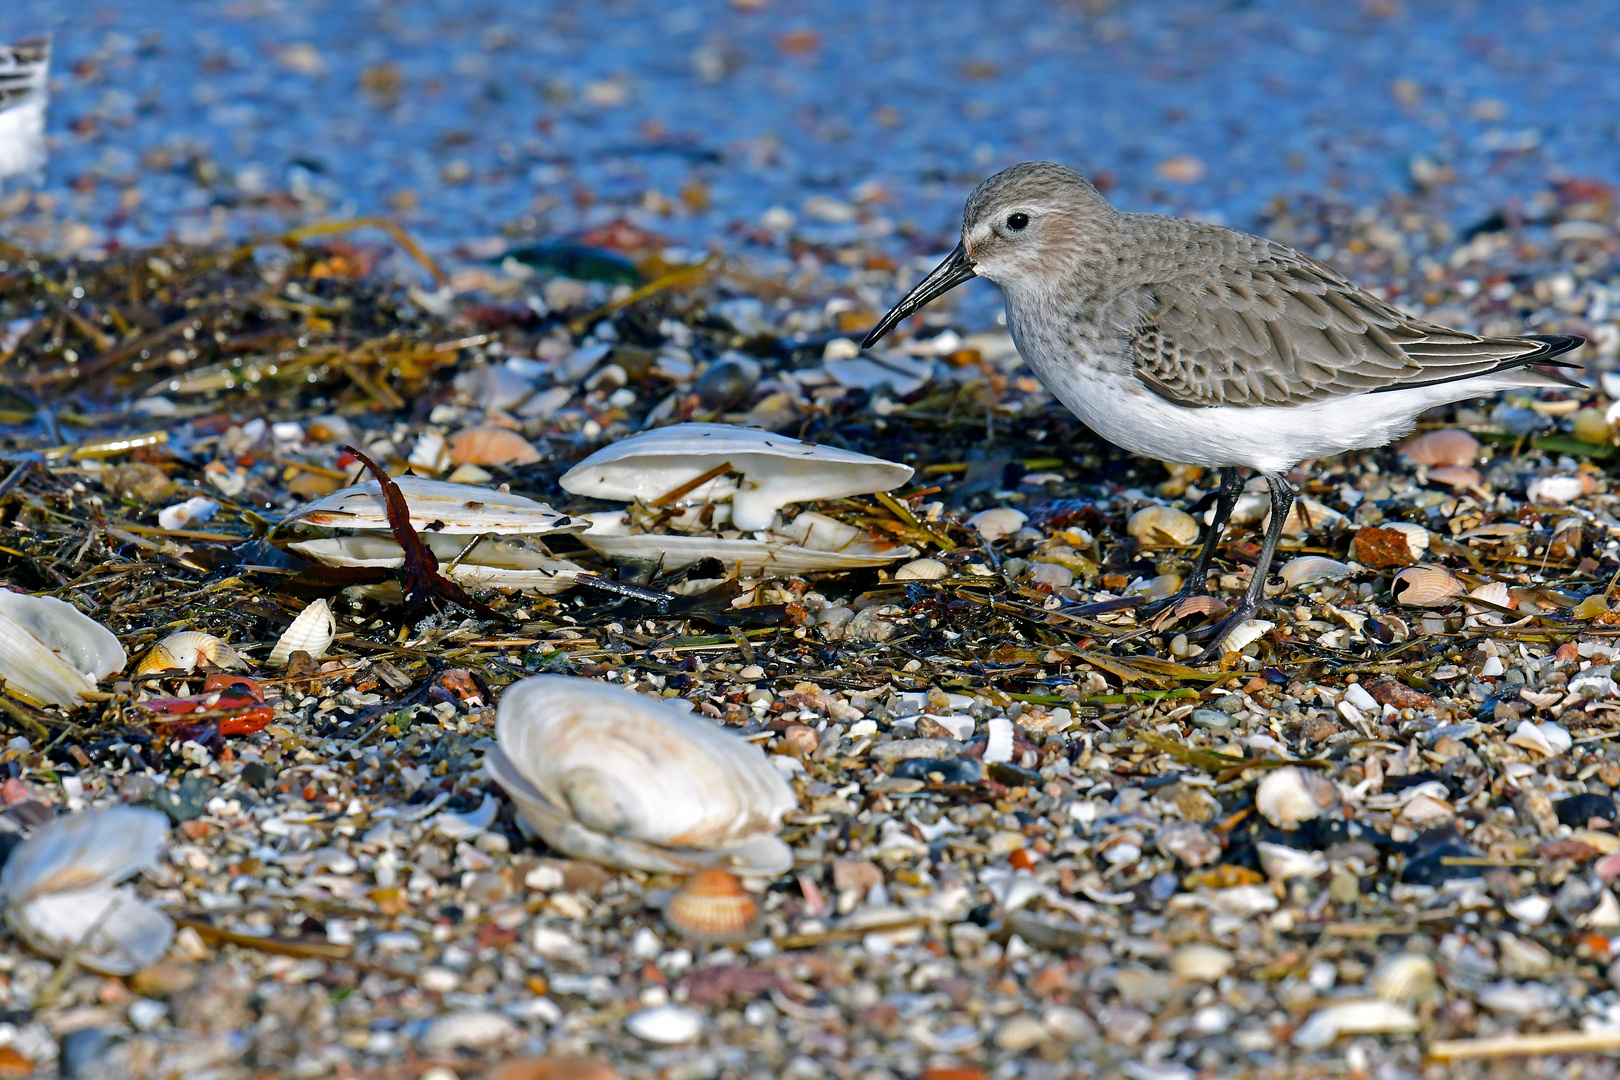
(1271, 326)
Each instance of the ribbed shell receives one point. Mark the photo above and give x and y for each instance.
(186, 651)
(776, 470)
(712, 906)
(311, 632)
(52, 653)
(610, 775)
(1425, 586)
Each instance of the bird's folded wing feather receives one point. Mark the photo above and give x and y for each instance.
(1275, 327)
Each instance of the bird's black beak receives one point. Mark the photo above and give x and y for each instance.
(956, 269)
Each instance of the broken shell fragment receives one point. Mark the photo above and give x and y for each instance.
(50, 652)
(1158, 526)
(311, 632)
(187, 651)
(757, 471)
(194, 510)
(1425, 585)
(61, 895)
(608, 775)
(1309, 569)
(1448, 447)
(1291, 795)
(712, 907)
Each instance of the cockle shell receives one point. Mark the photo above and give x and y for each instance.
(311, 632)
(609, 775)
(491, 445)
(50, 652)
(1407, 977)
(61, 895)
(809, 542)
(1309, 569)
(1448, 447)
(1157, 526)
(712, 906)
(1425, 585)
(186, 651)
(1291, 795)
(774, 471)
(1246, 633)
(1417, 537)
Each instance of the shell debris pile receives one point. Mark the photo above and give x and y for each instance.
(822, 713)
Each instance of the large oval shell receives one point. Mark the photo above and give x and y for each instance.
(491, 445)
(1425, 585)
(186, 651)
(664, 466)
(615, 777)
(1163, 525)
(60, 890)
(51, 653)
(311, 632)
(1448, 447)
(712, 907)
(437, 507)
(1309, 569)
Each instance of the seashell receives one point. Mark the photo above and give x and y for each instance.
(1547, 739)
(998, 740)
(1417, 537)
(698, 463)
(1456, 476)
(1532, 909)
(712, 907)
(193, 511)
(998, 522)
(186, 651)
(471, 1029)
(61, 895)
(311, 632)
(1200, 963)
(1406, 977)
(493, 563)
(1424, 809)
(1309, 569)
(1373, 1017)
(555, 1067)
(1283, 863)
(51, 653)
(902, 374)
(329, 429)
(668, 1025)
(1592, 426)
(922, 570)
(1158, 526)
(784, 550)
(490, 445)
(1307, 514)
(1291, 795)
(608, 775)
(1448, 447)
(1555, 490)
(1245, 634)
(436, 506)
(1425, 585)
(430, 452)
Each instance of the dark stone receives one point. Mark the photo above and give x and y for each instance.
(8, 843)
(185, 804)
(81, 1049)
(255, 773)
(1577, 810)
(1429, 867)
(725, 384)
(950, 770)
(1004, 772)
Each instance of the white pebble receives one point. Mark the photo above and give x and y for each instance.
(669, 1025)
(999, 744)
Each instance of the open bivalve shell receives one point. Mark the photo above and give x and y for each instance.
(448, 517)
(60, 889)
(710, 477)
(609, 775)
(759, 472)
(186, 651)
(51, 653)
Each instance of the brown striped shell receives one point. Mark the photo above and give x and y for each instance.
(1425, 585)
(712, 906)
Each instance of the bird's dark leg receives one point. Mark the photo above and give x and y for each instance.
(1196, 584)
(1282, 504)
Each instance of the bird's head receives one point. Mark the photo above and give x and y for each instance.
(1023, 225)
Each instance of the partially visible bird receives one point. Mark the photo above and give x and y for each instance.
(23, 93)
(1193, 343)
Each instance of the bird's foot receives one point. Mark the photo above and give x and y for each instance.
(1217, 633)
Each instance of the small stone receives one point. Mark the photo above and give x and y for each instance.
(1020, 1033)
(472, 1029)
(1344, 888)
(1211, 719)
(668, 1025)
(438, 980)
(1068, 1023)
(1052, 575)
(1200, 963)
(163, 979)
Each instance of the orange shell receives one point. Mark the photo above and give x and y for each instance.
(555, 1067)
(1448, 447)
(490, 445)
(712, 906)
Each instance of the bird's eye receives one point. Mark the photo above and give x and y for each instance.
(1017, 221)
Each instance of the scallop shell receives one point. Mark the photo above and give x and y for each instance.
(1417, 537)
(1448, 447)
(1309, 569)
(712, 907)
(810, 542)
(311, 632)
(1406, 976)
(490, 445)
(61, 895)
(1291, 795)
(186, 651)
(436, 507)
(922, 570)
(51, 653)
(775, 471)
(1425, 585)
(618, 778)
(1158, 526)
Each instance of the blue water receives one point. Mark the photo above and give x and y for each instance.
(192, 118)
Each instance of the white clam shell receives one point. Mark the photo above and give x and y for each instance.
(495, 563)
(775, 470)
(796, 547)
(51, 653)
(1309, 569)
(61, 895)
(437, 507)
(612, 776)
(1292, 794)
(194, 510)
(311, 632)
(186, 651)
(1283, 863)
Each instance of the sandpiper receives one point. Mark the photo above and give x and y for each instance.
(1193, 343)
(22, 106)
